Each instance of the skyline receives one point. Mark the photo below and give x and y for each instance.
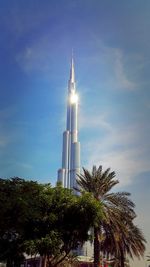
(112, 61)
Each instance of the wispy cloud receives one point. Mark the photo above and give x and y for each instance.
(23, 165)
(6, 135)
(113, 65)
(122, 148)
(11, 167)
(95, 121)
(126, 163)
(4, 140)
(39, 55)
(34, 58)
(120, 74)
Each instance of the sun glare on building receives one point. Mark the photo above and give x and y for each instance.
(73, 98)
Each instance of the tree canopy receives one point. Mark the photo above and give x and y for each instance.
(39, 219)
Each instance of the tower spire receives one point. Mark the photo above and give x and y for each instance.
(72, 72)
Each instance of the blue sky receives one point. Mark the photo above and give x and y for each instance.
(112, 61)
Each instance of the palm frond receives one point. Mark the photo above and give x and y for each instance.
(117, 233)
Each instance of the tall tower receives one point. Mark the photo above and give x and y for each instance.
(71, 149)
(71, 146)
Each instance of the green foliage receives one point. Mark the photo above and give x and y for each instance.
(37, 218)
(16, 206)
(62, 224)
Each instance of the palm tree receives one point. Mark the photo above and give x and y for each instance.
(117, 207)
(129, 240)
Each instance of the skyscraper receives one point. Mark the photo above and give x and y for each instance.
(71, 146)
(71, 149)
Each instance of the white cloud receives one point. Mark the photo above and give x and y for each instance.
(120, 73)
(116, 60)
(125, 163)
(96, 121)
(122, 148)
(113, 65)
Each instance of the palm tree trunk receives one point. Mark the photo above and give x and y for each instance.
(96, 248)
(122, 258)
